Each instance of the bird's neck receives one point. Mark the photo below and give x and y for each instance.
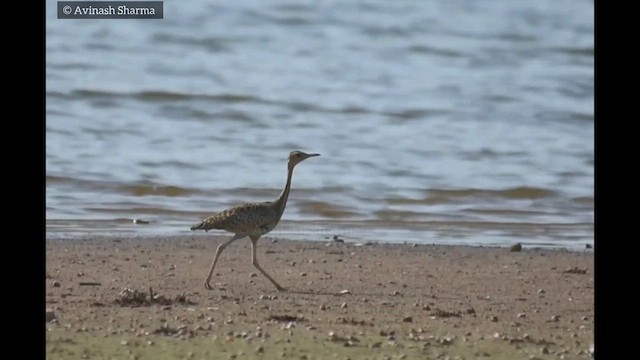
(284, 195)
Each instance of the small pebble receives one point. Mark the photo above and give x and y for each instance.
(446, 341)
(516, 247)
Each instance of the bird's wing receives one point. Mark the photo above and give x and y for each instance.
(247, 219)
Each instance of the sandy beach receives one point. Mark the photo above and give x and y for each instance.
(144, 298)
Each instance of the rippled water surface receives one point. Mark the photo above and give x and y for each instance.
(456, 122)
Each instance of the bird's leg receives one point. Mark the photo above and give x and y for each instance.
(254, 262)
(218, 252)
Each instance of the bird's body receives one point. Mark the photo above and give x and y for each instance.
(252, 219)
(248, 218)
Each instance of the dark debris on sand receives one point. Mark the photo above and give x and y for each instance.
(285, 318)
(135, 298)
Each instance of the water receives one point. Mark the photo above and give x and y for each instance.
(458, 122)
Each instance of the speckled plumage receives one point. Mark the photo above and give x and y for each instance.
(252, 220)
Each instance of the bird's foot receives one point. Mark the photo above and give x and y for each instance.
(207, 286)
(280, 288)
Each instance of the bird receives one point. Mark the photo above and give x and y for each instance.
(252, 220)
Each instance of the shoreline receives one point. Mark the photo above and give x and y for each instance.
(582, 246)
(355, 301)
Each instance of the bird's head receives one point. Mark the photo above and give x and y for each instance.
(296, 157)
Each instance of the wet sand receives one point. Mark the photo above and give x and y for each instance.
(344, 300)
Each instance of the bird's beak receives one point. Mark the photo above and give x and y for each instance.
(312, 155)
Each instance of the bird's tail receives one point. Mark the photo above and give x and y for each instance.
(200, 226)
